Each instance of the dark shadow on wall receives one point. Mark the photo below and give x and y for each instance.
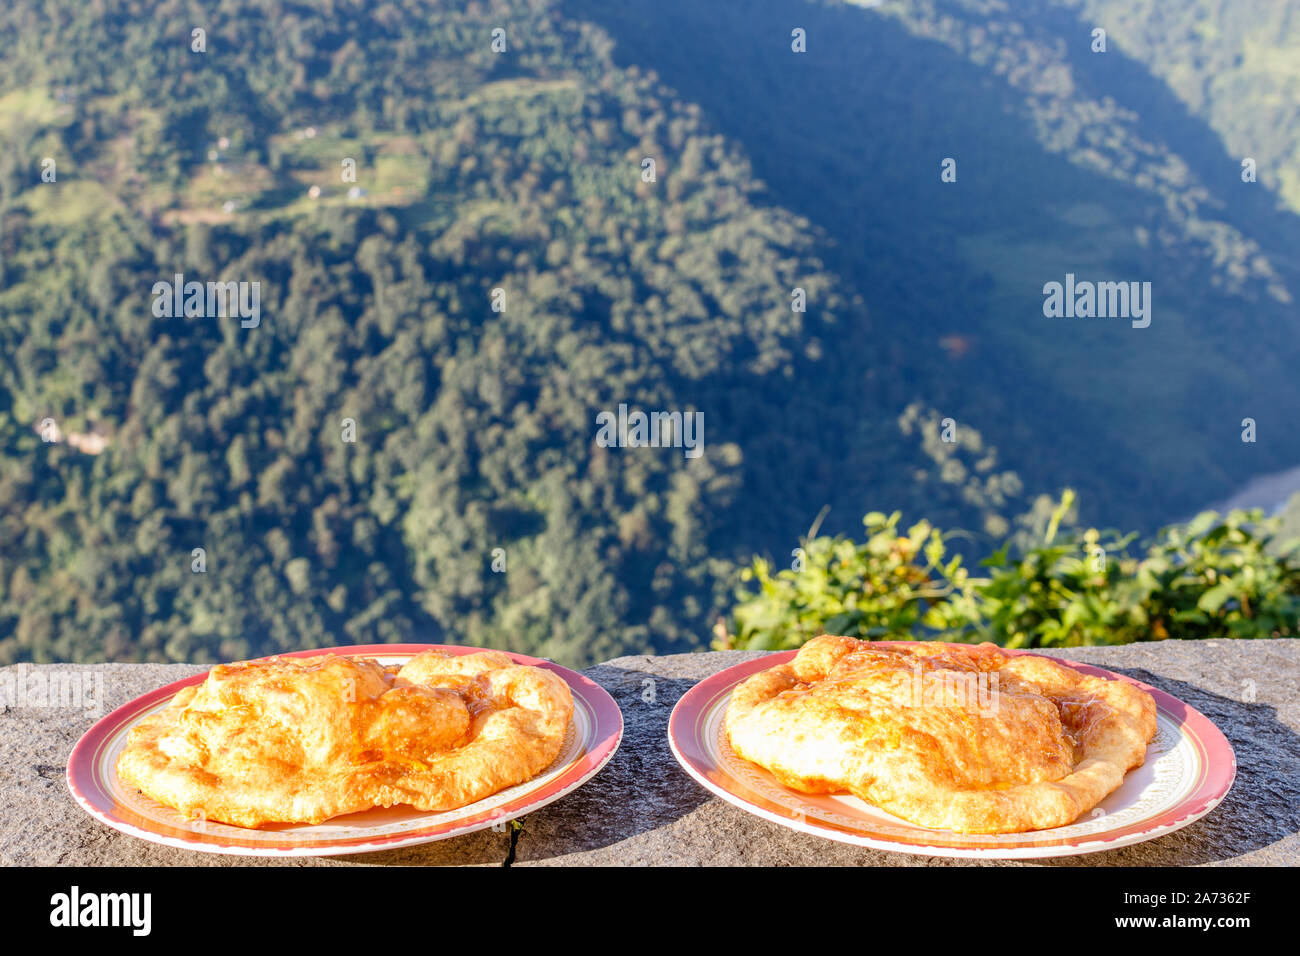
(642, 788)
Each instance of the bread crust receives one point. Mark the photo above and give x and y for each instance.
(300, 740)
(948, 736)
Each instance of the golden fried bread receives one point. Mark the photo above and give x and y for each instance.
(948, 736)
(300, 740)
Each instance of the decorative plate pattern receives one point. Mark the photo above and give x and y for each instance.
(1189, 768)
(593, 737)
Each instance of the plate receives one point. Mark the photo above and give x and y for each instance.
(594, 734)
(1188, 770)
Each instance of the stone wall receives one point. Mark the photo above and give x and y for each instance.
(643, 809)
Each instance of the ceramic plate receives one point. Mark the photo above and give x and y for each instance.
(593, 737)
(1189, 768)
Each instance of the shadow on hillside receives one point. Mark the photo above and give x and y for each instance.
(1144, 424)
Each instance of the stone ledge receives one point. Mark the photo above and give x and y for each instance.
(642, 809)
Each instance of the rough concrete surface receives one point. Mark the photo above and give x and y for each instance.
(643, 809)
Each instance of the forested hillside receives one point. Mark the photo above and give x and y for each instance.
(1234, 64)
(516, 179)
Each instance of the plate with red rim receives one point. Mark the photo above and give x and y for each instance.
(1189, 768)
(593, 736)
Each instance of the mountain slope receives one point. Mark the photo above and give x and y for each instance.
(475, 429)
(475, 504)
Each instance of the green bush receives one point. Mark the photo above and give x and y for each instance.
(1215, 577)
